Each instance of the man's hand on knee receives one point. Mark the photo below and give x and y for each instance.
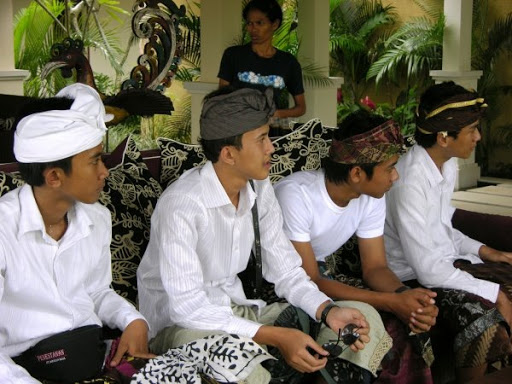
(293, 345)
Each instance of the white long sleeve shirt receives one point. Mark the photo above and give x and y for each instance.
(421, 242)
(49, 286)
(199, 243)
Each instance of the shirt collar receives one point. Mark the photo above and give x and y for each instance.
(432, 173)
(215, 195)
(31, 219)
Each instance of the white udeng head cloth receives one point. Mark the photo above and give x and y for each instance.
(58, 134)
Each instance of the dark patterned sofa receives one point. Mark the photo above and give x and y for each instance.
(137, 179)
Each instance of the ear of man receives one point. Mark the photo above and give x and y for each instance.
(442, 139)
(227, 155)
(356, 174)
(53, 176)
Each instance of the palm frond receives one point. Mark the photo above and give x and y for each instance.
(415, 49)
(34, 35)
(190, 26)
(432, 8)
(499, 38)
(314, 75)
(502, 135)
(178, 125)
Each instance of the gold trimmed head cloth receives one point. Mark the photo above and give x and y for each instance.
(451, 114)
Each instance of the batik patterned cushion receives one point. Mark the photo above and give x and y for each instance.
(299, 150)
(176, 158)
(9, 181)
(130, 194)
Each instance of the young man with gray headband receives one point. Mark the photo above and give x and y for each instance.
(201, 238)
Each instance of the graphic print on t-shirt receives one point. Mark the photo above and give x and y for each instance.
(250, 77)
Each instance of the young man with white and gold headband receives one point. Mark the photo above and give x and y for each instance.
(323, 209)
(423, 247)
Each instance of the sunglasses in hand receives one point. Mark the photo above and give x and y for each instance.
(347, 336)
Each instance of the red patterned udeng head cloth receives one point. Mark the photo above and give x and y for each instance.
(373, 146)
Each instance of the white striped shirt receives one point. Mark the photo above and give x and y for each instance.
(48, 287)
(200, 242)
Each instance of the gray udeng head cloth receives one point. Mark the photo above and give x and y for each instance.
(235, 113)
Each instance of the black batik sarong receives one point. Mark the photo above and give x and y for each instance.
(402, 364)
(470, 323)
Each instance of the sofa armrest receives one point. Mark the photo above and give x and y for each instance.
(492, 230)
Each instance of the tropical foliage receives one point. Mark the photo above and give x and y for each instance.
(357, 29)
(412, 50)
(45, 22)
(490, 44)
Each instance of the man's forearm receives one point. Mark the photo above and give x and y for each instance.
(340, 291)
(382, 280)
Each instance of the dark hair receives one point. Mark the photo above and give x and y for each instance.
(428, 140)
(212, 148)
(270, 8)
(32, 173)
(431, 99)
(354, 124)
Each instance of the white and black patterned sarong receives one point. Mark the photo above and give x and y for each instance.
(225, 358)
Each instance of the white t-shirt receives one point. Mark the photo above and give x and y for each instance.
(311, 216)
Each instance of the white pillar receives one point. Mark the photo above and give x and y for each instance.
(221, 22)
(313, 32)
(457, 67)
(11, 79)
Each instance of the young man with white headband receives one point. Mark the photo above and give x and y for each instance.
(323, 209)
(55, 266)
(202, 234)
(423, 247)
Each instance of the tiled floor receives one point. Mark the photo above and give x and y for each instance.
(494, 199)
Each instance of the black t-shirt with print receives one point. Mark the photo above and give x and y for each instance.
(243, 68)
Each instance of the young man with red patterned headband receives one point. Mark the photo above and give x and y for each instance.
(423, 247)
(323, 209)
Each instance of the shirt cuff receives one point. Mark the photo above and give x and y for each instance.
(488, 290)
(132, 317)
(470, 246)
(312, 301)
(243, 327)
